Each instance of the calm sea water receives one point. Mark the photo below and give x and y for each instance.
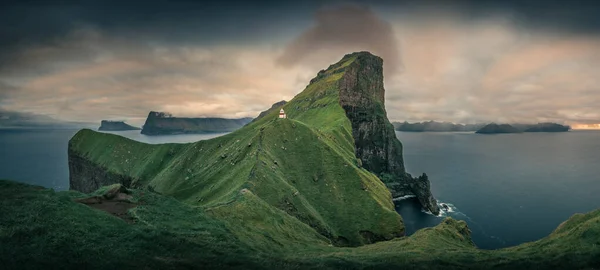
(510, 188)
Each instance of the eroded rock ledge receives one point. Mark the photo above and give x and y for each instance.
(86, 176)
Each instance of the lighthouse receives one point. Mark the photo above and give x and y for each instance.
(282, 113)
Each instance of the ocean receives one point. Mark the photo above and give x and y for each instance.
(509, 188)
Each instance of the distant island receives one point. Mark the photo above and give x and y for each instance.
(25, 120)
(433, 126)
(518, 128)
(161, 123)
(107, 125)
(547, 127)
(494, 128)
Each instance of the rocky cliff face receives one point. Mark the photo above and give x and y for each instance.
(362, 96)
(86, 176)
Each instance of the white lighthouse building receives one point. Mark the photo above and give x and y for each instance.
(282, 113)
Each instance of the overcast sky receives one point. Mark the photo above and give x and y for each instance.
(459, 61)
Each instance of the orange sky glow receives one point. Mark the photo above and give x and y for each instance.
(586, 126)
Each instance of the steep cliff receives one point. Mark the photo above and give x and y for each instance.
(86, 176)
(363, 98)
(159, 123)
(107, 125)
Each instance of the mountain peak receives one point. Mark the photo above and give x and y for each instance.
(361, 54)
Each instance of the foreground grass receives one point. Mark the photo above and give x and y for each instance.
(41, 229)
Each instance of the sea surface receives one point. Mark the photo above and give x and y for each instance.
(509, 188)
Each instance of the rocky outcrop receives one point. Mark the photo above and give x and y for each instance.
(86, 176)
(107, 125)
(160, 123)
(362, 97)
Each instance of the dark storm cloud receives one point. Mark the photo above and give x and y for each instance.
(576, 16)
(24, 24)
(28, 23)
(342, 29)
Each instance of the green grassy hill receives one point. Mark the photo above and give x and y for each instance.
(304, 165)
(289, 193)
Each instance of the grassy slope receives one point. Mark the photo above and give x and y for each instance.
(40, 228)
(304, 165)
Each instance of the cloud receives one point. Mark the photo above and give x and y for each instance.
(113, 78)
(441, 65)
(493, 70)
(340, 30)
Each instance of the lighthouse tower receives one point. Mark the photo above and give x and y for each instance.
(282, 113)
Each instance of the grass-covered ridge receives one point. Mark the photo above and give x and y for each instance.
(41, 229)
(304, 165)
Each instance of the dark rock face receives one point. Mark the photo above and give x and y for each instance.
(160, 123)
(106, 125)
(362, 96)
(86, 177)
